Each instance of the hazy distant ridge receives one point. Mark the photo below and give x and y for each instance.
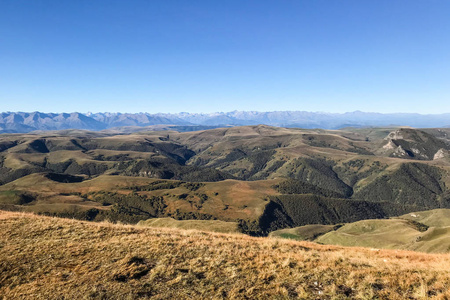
(15, 122)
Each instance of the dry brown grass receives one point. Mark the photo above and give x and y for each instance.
(51, 258)
(203, 225)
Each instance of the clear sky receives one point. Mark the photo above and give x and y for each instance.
(206, 56)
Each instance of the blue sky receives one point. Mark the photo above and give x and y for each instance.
(207, 56)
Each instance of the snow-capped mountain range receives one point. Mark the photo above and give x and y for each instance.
(19, 122)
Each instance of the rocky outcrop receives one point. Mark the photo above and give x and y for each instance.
(414, 144)
(439, 154)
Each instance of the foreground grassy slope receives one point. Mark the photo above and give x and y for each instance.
(43, 257)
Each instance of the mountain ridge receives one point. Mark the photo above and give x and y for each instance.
(22, 122)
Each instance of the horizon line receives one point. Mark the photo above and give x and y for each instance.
(232, 111)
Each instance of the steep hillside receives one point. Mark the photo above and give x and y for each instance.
(45, 258)
(286, 211)
(407, 183)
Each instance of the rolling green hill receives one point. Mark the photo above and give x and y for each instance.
(425, 231)
(432, 218)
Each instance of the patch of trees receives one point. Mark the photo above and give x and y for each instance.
(418, 226)
(64, 178)
(180, 215)
(193, 186)
(156, 185)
